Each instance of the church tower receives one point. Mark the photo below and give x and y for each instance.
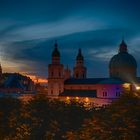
(55, 74)
(67, 73)
(79, 69)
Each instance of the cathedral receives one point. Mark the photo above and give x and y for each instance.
(64, 84)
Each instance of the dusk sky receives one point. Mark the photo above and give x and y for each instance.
(29, 28)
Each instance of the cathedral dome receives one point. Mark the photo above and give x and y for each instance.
(123, 65)
(55, 53)
(123, 60)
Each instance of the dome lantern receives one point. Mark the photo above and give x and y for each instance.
(79, 56)
(55, 52)
(123, 47)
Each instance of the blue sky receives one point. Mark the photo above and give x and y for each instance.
(29, 28)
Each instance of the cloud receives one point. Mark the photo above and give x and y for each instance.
(28, 30)
(33, 56)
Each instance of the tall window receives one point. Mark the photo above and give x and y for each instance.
(51, 92)
(59, 74)
(83, 75)
(104, 94)
(118, 94)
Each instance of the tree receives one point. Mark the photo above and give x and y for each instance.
(9, 116)
(118, 121)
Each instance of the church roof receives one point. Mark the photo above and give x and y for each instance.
(79, 93)
(123, 58)
(94, 81)
(13, 82)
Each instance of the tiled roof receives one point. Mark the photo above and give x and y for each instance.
(13, 82)
(94, 81)
(79, 93)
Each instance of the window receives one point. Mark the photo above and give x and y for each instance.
(104, 94)
(59, 74)
(83, 75)
(118, 94)
(51, 92)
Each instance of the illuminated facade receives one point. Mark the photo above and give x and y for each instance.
(62, 83)
(55, 74)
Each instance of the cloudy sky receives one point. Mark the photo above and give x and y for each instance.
(29, 28)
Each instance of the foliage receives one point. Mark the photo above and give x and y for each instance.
(119, 121)
(51, 119)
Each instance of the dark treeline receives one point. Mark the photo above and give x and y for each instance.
(44, 119)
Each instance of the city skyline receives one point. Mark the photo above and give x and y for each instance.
(28, 31)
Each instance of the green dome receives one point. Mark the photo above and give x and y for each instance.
(122, 60)
(55, 53)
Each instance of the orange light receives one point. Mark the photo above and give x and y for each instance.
(77, 98)
(137, 88)
(87, 99)
(36, 79)
(68, 98)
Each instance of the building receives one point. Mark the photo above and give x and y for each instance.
(55, 74)
(16, 83)
(122, 71)
(123, 65)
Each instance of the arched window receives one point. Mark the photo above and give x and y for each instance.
(51, 92)
(83, 75)
(105, 94)
(59, 74)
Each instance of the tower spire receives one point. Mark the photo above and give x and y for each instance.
(123, 46)
(55, 44)
(79, 69)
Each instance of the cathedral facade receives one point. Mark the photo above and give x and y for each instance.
(63, 83)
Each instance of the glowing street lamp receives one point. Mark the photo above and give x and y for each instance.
(137, 88)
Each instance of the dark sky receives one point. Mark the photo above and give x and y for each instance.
(29, 28)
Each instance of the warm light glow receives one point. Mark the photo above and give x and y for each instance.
(37, 80)
(126, 85)
(137, 88)
(77, 98)
(86, 99)
(67, 98)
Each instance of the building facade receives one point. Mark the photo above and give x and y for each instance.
(122, 70)
(55, 74)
